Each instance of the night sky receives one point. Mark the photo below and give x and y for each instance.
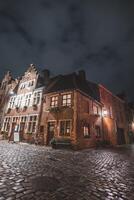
(68, 35)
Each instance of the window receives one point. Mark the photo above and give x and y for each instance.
(12, 102)
(6, 124)
(54, 101)
(86, 131)
(66, 100)
(65, 128)
(30, 83)
(15, 119)
(95, 110)
(37, 97)
(28, 98)
(22, 86)
(23, 119)
(32, 124)
(98, 131)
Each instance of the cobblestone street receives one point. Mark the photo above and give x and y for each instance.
(35, 172)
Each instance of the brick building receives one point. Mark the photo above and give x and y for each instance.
(114, 117)
(22, 112)
(7, 85)
(64, 107)
(72, 111)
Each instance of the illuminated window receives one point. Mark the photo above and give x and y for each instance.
(54, 101)
(66, 100)
(23, 119)
(86, 131)
(65, 128)
(32, 124)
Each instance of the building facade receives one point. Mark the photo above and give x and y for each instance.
(23, 109)
(114, 117)
(65, 108)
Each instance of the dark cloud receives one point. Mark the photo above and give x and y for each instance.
(65, 36)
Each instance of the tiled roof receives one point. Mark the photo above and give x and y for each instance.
(71, 82)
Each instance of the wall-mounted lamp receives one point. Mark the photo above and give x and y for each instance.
(104, 113)
(133, 125)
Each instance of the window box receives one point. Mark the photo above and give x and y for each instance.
(54, 109)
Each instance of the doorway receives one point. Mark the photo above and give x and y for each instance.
(11, 136)
(22, 127)
(120, 136)
(50, 131)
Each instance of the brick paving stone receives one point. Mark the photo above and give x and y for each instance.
(41, 173)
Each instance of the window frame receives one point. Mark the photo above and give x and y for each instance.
(66, 99)
(65, 134)
(54, 101)
(32, 123)
(86, 134)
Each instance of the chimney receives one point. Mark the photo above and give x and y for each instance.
(46, 74)
(82, 75)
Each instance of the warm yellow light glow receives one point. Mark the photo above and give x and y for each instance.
(104, 113)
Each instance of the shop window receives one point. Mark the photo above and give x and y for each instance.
(65, 128)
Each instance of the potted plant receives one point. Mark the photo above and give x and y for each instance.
(4, 135)
(53, 143)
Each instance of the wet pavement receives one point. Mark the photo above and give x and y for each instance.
(35, 172)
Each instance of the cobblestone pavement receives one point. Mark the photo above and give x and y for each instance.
(34, 172)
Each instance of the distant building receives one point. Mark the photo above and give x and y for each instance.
(63, 108)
